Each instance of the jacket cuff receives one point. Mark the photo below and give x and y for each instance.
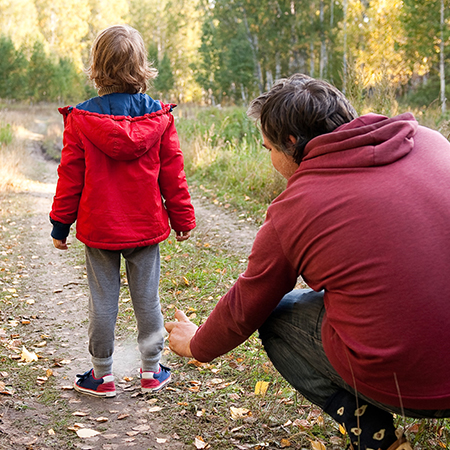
(60, 230)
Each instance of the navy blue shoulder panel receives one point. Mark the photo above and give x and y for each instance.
(119, 104)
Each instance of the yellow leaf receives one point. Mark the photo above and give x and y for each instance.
(28, 356)
(342, 430)
(186, 281)
(285, 443)
(261, 388)
(317, 445)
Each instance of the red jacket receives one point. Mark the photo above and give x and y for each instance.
(366, 218)
(121, 177)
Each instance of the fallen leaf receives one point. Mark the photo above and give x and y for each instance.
(317, 445)
(85, 433)
(199, 442)
(141, 428)
(285, 443)
(51, 432)
(239, 413)
(342, 430)
(80, 413)
(154, 409)
(161, 440)
(132, 433)
(101, 419)
(303, 424)
(261, 388)
(28, 356)
(196, 363)
(194, 388)
(67, 388)
(122, 416)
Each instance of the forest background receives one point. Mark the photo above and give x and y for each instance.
(228, 51)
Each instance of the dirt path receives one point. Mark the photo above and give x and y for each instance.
(51, 288)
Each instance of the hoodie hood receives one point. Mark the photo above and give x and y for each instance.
(369, 140)
(122, 138)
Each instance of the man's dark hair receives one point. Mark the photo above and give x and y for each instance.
(302, 107)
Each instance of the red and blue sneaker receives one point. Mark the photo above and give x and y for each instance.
(154, 381)
(100, 387)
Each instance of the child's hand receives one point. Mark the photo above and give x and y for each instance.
(183, 235)
(61, 245)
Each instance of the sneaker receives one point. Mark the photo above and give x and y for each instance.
(154, 381)
(100, 387)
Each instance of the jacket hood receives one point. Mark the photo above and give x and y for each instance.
(369, 140)
(122, 138)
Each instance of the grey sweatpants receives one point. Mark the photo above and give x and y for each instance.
(103, 272)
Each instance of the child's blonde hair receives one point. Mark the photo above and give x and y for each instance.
(119, 62)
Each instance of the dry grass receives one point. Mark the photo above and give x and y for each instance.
(26, 133)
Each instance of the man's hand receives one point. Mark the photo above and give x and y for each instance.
(61, 245)
(183, 235)
(180, 334)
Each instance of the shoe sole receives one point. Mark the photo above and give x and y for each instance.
(94, 393)
(156, 389)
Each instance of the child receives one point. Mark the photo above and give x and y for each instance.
(121, 178)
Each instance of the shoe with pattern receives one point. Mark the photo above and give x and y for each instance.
(100, 387)
(155, 381)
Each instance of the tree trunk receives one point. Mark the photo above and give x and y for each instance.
(344, 62)
(323, 47)
(253, 40)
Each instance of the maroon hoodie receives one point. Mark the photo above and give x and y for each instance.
(366, 219)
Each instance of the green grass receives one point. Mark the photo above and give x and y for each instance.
(6, 134)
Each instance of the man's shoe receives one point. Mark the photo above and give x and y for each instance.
(100, 387)
(154, 381)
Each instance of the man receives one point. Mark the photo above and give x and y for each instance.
(364, 221)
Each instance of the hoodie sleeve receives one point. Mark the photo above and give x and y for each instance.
(247, 305)
(172, 181)
(70, 176)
